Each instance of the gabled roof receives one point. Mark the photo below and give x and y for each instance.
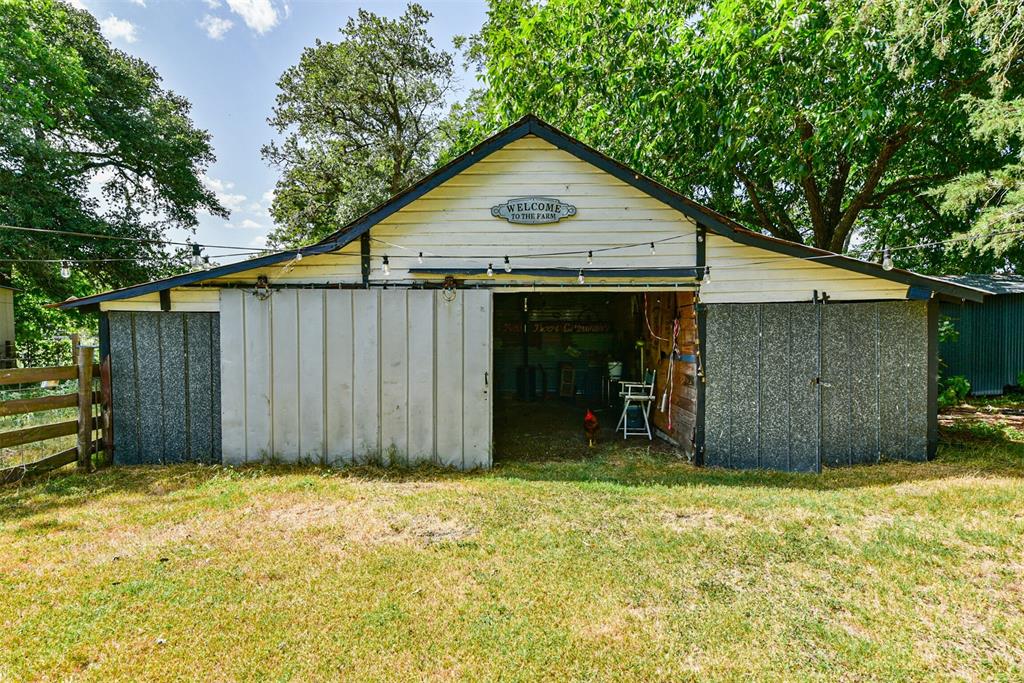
(993, 284)
(531, 125)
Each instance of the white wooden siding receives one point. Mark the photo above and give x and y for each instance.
(357, 375)
(744, 274)
(454, 220)
(6, 316)
(184, 299)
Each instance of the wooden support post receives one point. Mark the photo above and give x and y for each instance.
(105, 414)
(84, 408)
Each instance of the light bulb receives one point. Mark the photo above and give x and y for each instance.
(206, 263)
(386, 266)
(298, 255)
(197, 258)
(580, 279)
(886, 260)
(490, 270)
(590, 258)
(419, 259)
(707, 275)
(508, 266)
(65, 269)
(653, 250)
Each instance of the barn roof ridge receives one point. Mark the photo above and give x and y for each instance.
(530, 124)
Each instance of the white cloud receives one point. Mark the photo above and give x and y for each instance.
(259, 15)
(268, 197)
(250, 224)
(212, 4)
(140, 3)
(215, 27)
(115, 28)
(77, 4)
(222, 188)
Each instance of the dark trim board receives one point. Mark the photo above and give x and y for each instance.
(701, 311)
(933, 378)
(531, 125)
(565, 272)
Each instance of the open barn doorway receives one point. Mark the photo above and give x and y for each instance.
(558, 354)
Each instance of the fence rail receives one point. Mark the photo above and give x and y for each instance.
(84, 425)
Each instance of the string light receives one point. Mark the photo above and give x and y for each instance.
(206, 263)
(579, 278)
(490, 270)
(419, 259)
(653, 250)
(508, 266)
(385, 267)
(886, 259)
(590, 258)
(298, 255)
(197, 258)
(707, 275)
(65, 269)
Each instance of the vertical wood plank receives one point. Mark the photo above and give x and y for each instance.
(477, 379)
(421, 376)
(338, 362)
(233, 375)
(256, 342)
(366, 375)
(286, 401)
(200, 376)
(84, 408)
(311, 374)
(124, 401)
(173, 396)
(394, 377)
(449, 385)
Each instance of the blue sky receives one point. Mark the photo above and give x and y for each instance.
(225, 56)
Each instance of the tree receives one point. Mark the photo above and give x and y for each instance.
(89, 142)
(789, 116)
(360, 119)
(992, 198)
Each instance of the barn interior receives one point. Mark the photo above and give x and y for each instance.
(559, 354)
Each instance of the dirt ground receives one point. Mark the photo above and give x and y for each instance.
(995, 413)
(553, 429)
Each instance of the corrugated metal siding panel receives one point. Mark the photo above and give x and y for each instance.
(990, 349)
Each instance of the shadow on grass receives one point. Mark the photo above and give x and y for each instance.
(962, 453)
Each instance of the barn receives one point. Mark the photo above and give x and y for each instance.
(532, 273)
(988, 345)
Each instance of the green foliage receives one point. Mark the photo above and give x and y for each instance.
(790, 116)
(89, 142)
(953, 390)
(360, 118)
(947, 330)
(1020, 379)
(990, 196)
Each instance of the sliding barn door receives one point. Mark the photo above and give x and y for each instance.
(339, 376)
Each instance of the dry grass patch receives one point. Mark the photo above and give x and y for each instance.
(626, 566)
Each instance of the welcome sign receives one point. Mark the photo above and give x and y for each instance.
(533, 210)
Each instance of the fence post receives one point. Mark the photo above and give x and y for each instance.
(106, 416)
(84, 408)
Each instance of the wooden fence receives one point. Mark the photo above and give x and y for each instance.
(84, 426)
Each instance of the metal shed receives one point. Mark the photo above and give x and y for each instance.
(989, 348)
(394, 338)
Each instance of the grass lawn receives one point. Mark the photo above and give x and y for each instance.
(627, 566)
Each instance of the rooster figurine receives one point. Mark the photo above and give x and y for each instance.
(590, 427)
